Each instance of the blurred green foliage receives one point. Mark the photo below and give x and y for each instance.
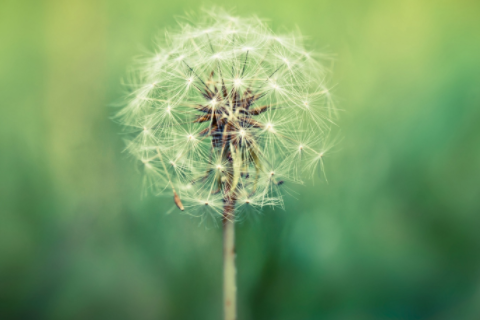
(394, 234)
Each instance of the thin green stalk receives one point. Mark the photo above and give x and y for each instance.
(229, 269)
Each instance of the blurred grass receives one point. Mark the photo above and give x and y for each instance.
(393, 235)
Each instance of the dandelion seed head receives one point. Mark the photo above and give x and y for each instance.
(228, 112)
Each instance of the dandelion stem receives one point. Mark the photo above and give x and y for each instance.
(229, 269)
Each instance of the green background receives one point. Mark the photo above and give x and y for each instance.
(394, 234)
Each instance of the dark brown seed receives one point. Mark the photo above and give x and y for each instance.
(177, 201)
(203, 118)
(258, 110)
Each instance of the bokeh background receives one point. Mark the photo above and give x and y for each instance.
(394, 234)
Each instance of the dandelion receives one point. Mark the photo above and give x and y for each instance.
(223, 115)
